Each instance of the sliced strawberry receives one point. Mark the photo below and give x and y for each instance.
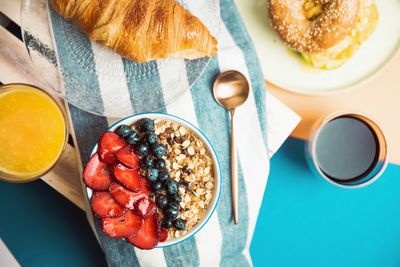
(127, 224)
(148, 235)
(125, 197)
(109, 144)
(130, 178)
(104, 205)
(97, 174)
(127, 157)
(107, 157)
(144, 187)
(145, 207)
(163, 235)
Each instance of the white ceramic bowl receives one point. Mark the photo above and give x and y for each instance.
(217, 173)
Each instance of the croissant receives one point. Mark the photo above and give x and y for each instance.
(141, 30)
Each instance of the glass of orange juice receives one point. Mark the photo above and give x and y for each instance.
(33, 132)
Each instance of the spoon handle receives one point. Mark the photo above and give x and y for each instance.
(234, 172)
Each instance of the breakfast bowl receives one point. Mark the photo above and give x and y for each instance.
(179, 176)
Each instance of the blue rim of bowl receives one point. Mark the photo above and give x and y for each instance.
(212, 148)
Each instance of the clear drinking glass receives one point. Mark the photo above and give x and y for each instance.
(20, 135)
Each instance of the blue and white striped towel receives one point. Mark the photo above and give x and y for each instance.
(220, 242)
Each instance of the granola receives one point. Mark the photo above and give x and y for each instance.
(190, 164)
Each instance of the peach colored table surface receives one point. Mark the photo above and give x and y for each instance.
(378, 97)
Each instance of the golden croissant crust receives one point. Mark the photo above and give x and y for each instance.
(141, 30)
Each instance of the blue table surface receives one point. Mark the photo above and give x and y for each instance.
(304, 221)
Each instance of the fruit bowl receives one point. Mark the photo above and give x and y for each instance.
(192, 166)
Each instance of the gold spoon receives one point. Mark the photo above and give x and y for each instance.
(231, 90)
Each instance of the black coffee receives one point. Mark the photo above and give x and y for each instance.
(347, 149)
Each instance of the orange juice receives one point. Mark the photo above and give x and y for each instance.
(32, 132)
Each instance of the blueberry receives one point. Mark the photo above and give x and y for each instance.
(180, 224)
(171, 212)
(152, 174)
(151, 138)
(159, 150)
(175, 198)
(161, 201)
(160, 164)
(146, 125)
(142, 150)
(167, 223)
(172, 206)
(156, 186)
(171, 186)
(146, 162)
(133, 138)
(163, 176)
(124, 130)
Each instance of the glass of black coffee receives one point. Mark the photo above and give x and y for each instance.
(347, 149)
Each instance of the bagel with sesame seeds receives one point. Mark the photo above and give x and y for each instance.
(313, 26)
(325, 32)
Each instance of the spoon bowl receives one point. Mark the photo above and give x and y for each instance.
(231, 89)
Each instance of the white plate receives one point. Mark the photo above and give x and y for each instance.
(284, 69)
